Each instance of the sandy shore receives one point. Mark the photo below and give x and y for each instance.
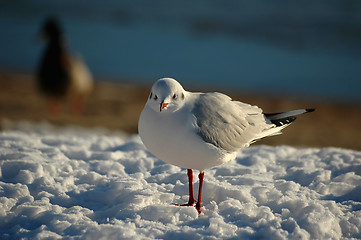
(118, 106)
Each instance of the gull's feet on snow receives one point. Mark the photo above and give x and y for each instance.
(190, 204)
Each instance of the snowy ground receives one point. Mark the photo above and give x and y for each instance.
(71, 183)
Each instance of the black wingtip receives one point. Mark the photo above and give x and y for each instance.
(279, 119)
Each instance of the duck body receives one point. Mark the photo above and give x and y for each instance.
(54, 76)
(60, 73)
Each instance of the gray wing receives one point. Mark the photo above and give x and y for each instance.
(228, 124)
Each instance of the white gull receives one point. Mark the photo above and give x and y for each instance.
(202, 130)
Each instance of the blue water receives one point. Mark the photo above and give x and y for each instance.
(309, 50)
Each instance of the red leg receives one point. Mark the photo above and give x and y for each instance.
(199, 203)
(191, 196)
(190, 181)
(77, 105)
(54, 106)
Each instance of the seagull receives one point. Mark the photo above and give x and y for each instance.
(61, 73)
(195, 130)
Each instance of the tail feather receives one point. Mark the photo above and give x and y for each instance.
(285, 118)
(280, 120)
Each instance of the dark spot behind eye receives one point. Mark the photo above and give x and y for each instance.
(150, 96)
(183, 96)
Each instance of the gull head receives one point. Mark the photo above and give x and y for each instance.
(166, 96)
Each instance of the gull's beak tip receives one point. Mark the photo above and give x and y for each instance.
(163, 105)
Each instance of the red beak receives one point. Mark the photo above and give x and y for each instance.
(163, 105)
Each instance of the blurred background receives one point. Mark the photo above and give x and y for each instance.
(278, 55)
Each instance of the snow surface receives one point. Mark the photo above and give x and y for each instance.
(90, 184)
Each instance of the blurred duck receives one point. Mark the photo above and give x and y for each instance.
(60, 73)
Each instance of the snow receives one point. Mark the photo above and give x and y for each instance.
(93, 184)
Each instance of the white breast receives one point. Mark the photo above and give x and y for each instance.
(173, 139)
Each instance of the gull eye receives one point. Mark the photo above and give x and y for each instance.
(155, 97)
(175, 96)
